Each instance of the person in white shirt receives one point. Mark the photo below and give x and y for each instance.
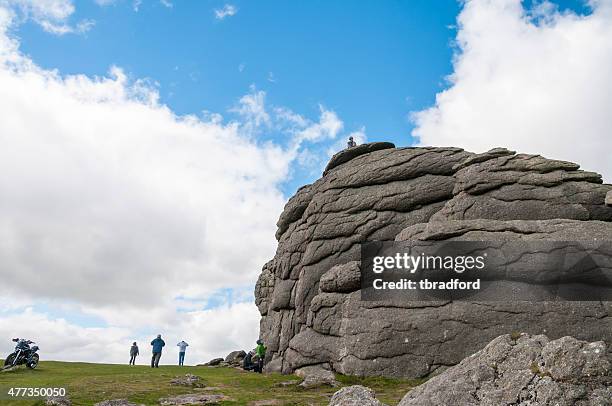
(182, 347)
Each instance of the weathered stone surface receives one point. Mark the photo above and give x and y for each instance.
(316, 376)
(343, 278)
(355, 395)
(308, 294)
(609, 198)
(523, 370)
(525, 187)
(235, 357)
(350, 153)
(214, 362)
(193, 399)
(189, 380)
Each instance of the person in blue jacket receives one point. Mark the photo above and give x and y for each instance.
(157, 344)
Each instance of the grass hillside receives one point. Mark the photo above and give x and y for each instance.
(87, 384)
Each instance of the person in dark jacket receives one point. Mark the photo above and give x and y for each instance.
(248, 364)
(351, 143)
(157, 344)
(133, 353)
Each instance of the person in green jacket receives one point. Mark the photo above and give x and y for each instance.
(260, 350)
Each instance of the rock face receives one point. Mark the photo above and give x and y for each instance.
(308, 294)
(355, 395)
(523, 371)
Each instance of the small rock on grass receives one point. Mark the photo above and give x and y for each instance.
(58, 401)
(193, 399)
(355, 395)
(316, 376)
(117, 402)
(190, 380)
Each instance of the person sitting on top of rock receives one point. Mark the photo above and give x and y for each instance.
(351, 143)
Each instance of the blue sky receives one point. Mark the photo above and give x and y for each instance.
(151, 222)
(370, 62)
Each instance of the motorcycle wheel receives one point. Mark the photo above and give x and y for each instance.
(9, 360)
(33, 362)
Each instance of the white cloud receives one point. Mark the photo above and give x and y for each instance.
(108, 186)
(51, 15)
(537, 81)
(166, 3)
(228, 10)
(252, 108)
(210, 334)
(328, 127)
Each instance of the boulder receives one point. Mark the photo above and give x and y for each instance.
(609, 198)
(308, 294)
(189, 380)
(523, 370)
(235, 357)
(316, 376)
(117, 402)
(355, 395)
(214, 362)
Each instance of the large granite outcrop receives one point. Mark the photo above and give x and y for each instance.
(308, 294)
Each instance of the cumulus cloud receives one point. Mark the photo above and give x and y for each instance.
(537, 81)
(61, 339)
(51, 15)
(227, 10)
(252, 108)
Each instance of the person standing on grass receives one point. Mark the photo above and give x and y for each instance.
(260, 350)
(133, 353)
(157, 344)
(182, 347)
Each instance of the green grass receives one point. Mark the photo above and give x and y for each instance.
(87, 384)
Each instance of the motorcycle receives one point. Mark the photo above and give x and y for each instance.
(24, 354)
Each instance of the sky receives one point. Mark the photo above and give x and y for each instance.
(150, 146)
